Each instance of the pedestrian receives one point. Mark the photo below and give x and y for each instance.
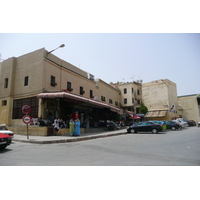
(77, 127)
(71, 127)
(56, 125)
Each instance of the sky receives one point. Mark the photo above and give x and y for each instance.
(122, 57)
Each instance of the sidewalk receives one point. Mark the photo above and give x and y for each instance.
(63, 139)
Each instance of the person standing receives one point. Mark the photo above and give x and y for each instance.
(71, 127)
(56, 126)
(77, 127)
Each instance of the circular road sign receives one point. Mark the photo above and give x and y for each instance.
(26, 109)
(26, 119)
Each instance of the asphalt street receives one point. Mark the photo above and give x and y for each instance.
(170, 148)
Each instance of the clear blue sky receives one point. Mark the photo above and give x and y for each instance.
(119, 56)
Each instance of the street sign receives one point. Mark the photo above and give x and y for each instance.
(26, 119)
(26, 109)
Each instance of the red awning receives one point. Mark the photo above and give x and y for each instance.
(136, 117)
(132, 115)
(78, 98)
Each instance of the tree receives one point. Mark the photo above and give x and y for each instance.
(143, 109)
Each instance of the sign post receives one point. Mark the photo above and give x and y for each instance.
(26, 118)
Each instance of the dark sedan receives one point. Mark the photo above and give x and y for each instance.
(5, 140)
(145, 127)
(172, 125)
(191, 123)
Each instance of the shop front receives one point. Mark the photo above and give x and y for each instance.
(68, 106)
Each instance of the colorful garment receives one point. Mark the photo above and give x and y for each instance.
(77, 128)
(71, 127)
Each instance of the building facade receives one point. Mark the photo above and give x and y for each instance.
(53, 88)
(160, 97)
(131, 98)
(189, 107)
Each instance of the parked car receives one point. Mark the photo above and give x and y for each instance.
(182, 123)
(145, 127)
(162, 123)
(172, 125)
(5, 140)
(4, 130)
(191, 122)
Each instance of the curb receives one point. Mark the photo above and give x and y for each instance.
(77, 139)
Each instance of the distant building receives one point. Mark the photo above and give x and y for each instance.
(160, 97)
(189, 107)
(131, 98)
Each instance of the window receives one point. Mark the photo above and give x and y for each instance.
(116, 103)
(110, 101)
(103, 98)
(91, 94)
(19, 103)
(53, 81)
(138, 92)
(6, 83)
(125, 91)
(125, 101)
(132, 100)
(4, 103)
(69, 85)
(132, 90)
(26, 81)
(81, 90)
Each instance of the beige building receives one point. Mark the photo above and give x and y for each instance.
(160, 97)
(53, 88)
(131, 98)
(189, 107)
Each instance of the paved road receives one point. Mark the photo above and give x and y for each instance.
(171, 148)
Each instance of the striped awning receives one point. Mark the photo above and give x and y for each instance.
(156, 113)
(77, 98)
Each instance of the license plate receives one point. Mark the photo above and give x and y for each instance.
(3, 142)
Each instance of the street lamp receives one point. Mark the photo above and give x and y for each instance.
(61, 46)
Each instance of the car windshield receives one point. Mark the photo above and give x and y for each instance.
(3, 128)
(145, 123)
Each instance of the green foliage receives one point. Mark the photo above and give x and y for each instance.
(143, 109)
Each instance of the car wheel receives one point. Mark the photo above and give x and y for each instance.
(133, 131)
(3, 147)
(154, 131)
(173, 128)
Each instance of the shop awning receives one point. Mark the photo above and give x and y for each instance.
(77, 98)
(156, 113)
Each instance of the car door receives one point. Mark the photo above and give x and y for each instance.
(140, 126)
(148, 126)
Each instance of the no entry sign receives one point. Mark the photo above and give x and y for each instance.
(26, 119)
(26, 109)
